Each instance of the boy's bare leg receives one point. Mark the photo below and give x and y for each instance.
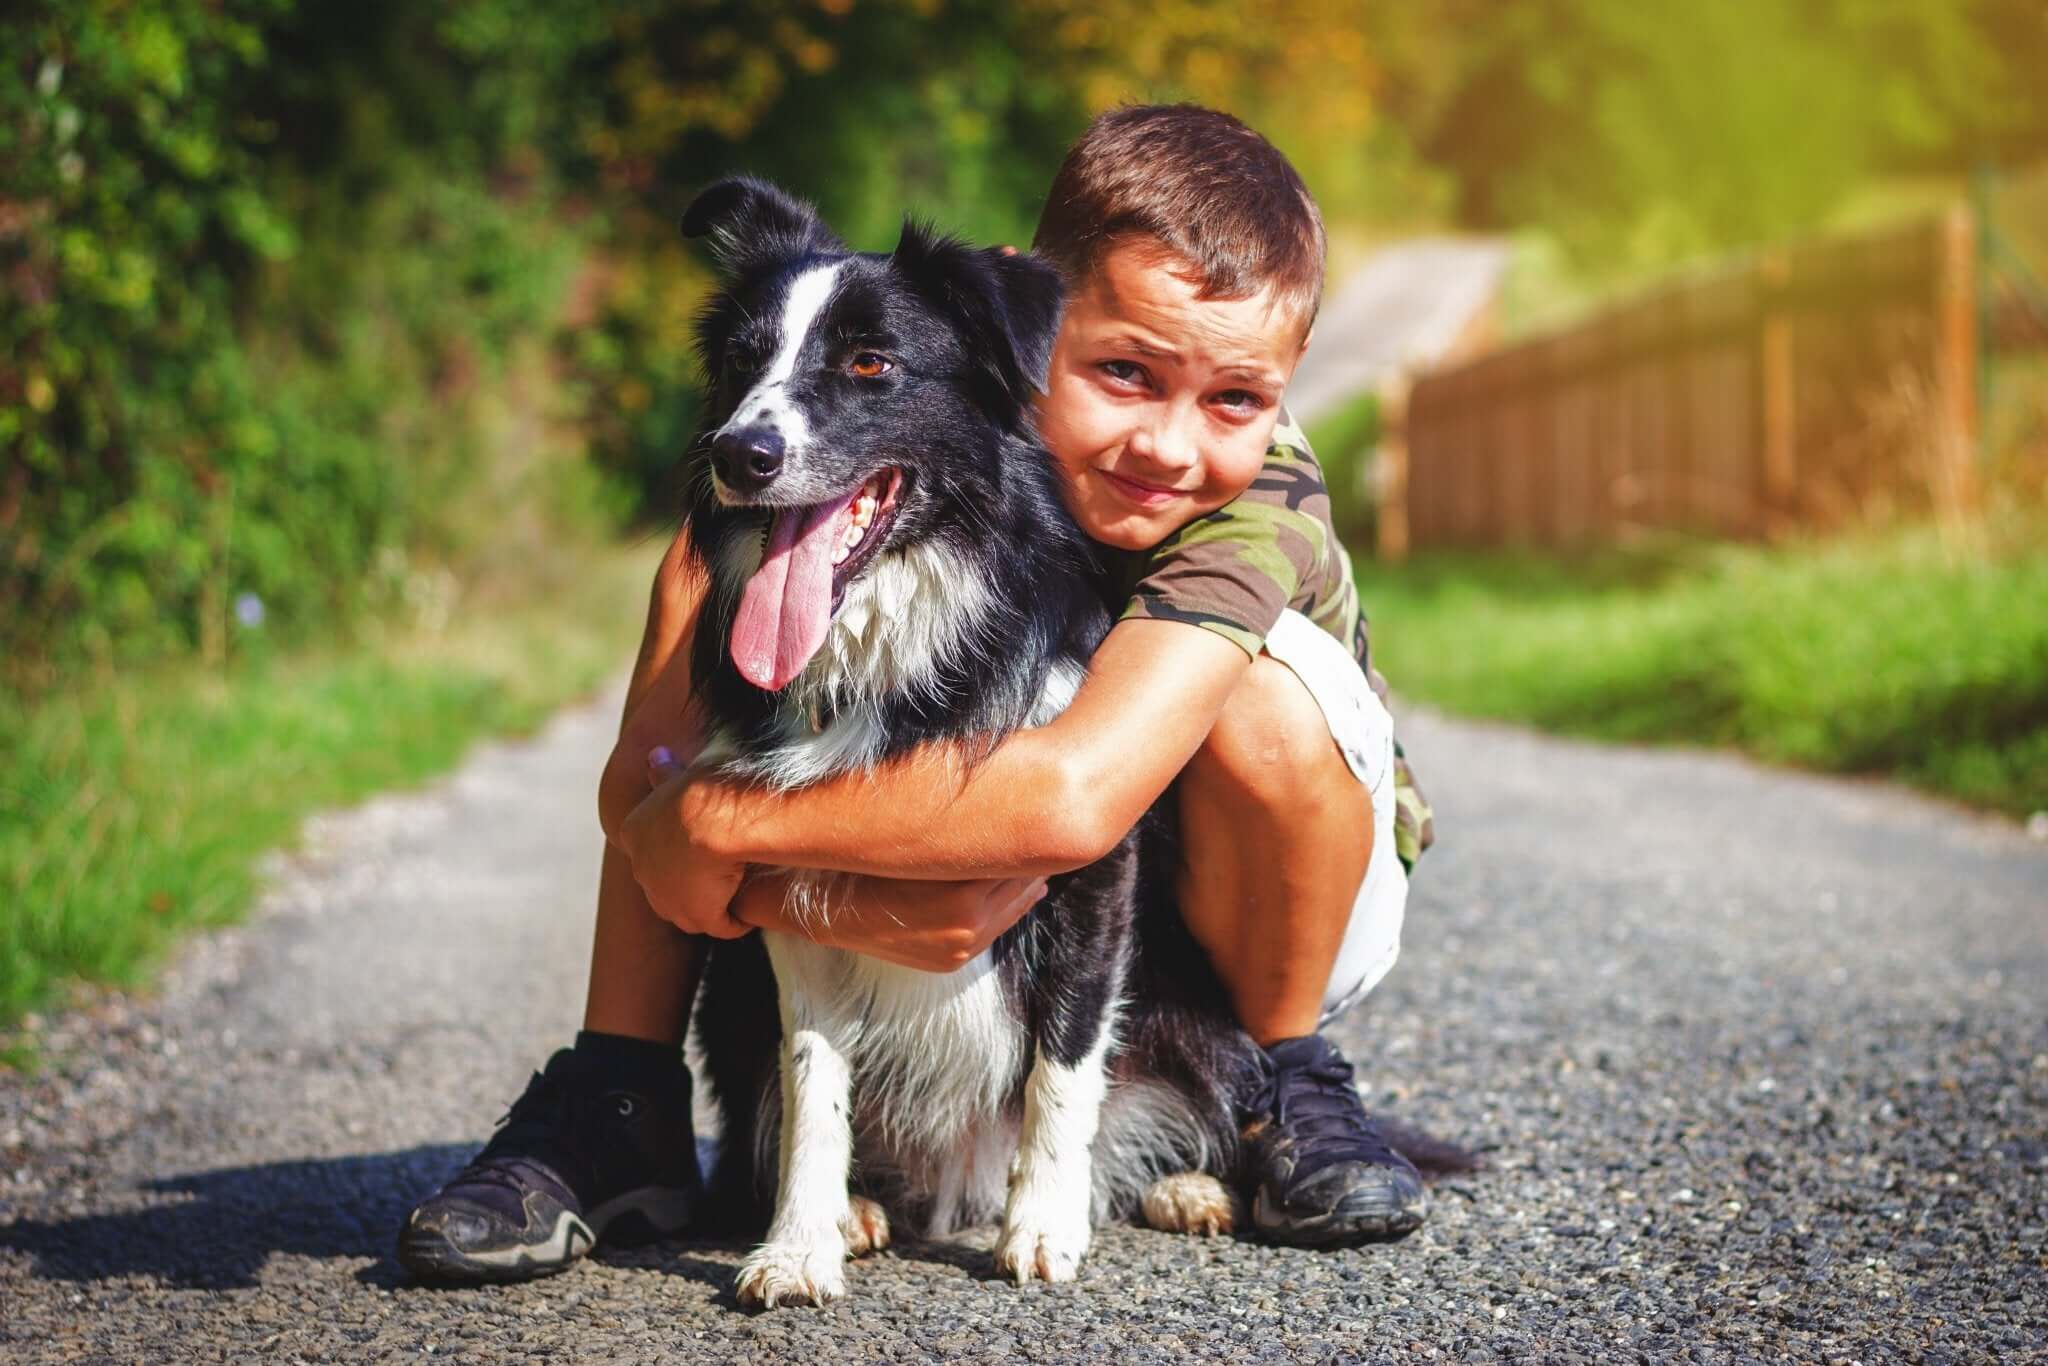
(1278, 834)
(643, 970)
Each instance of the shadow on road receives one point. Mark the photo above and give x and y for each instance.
(216, 1230)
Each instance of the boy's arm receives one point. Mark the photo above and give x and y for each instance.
(929, 926)
(1045, 801)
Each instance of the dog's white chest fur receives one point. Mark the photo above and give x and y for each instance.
(933, 1059)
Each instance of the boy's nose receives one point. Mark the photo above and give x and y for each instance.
(1167, 445)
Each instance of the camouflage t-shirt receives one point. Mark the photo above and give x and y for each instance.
(1272, 547)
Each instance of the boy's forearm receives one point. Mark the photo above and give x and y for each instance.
(931, 815)
(1047, 800)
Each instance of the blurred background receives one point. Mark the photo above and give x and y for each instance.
(344, 369)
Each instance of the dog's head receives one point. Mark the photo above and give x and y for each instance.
(859, 403)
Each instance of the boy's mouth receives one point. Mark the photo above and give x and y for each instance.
(1138, 491)
(811, 553)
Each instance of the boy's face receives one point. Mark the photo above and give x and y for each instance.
(1159, 405)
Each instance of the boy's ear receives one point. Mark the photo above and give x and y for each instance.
(1007, 304)
(753, 224)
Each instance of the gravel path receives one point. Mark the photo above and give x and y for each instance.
(1762, 1070)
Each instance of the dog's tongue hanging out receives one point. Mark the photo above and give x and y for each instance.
(787, 606)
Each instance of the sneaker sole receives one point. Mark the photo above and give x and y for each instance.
(429, 1255)
(646, 1215)
(633, 1219)
(1340, 1228)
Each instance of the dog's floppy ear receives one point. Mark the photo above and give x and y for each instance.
(1007, 304)
(753, 224)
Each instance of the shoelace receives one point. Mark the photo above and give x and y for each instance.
(1318, 1106)
(545, 1112)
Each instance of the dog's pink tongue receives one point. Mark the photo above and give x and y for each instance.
(787, 605)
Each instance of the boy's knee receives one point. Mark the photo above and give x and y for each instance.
(1271, 745)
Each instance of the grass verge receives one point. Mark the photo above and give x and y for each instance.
(134, 808)
(1893, 654)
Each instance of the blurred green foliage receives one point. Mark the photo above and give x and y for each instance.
(135, 807)
(1642, 134)
(1896, 654)
(302, 301)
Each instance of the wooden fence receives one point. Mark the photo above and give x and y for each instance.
(1811, 386)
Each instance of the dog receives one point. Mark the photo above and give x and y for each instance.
(892, 565)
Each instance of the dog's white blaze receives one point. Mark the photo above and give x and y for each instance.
(767, 403)
(1046, 1225)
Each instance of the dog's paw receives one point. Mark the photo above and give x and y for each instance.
(1190, 1202)
(866, 1226)
(1045, 1249)
(793, 1273)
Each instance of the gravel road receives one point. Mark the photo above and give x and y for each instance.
(1760, 1059)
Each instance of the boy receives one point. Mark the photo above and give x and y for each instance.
(1193, 256)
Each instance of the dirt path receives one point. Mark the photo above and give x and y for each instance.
(1761, 1058)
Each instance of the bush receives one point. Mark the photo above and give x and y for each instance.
(1888, 655)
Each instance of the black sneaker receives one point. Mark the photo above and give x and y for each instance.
(1319, 1172)
(578, 1158)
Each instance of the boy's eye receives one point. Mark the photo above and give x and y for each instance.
(1129, 372)
(869, 364)
(1241, 398)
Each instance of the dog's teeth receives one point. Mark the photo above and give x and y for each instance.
(840, 557)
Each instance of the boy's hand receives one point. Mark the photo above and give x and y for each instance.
(686, 885)
(928, 926)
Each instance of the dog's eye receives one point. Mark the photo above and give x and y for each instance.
(869, 364)
(745, 363)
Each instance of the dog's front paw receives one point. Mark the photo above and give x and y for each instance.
(865, 1226)
(1045, 1244)
(793, 1273)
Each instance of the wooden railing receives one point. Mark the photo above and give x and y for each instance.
(1813, 385)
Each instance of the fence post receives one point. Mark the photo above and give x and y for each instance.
(1955, 362)
(1392, 520)
(1778, 373)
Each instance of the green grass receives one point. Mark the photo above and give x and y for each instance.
(132, 809)
(1892, 655)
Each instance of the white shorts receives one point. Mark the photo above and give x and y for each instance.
(1364, 732)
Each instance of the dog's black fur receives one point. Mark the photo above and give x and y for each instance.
(971, 333)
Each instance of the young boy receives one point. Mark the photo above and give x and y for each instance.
(1193, 255)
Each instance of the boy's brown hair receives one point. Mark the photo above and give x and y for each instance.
(1203, 186)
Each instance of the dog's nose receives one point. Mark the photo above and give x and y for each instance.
(748, 459)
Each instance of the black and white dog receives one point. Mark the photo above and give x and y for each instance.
(892, 565)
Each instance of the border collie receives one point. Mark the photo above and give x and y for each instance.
(892, 565)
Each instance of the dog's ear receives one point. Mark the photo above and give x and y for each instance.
(753, 224)
(1007, 304)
